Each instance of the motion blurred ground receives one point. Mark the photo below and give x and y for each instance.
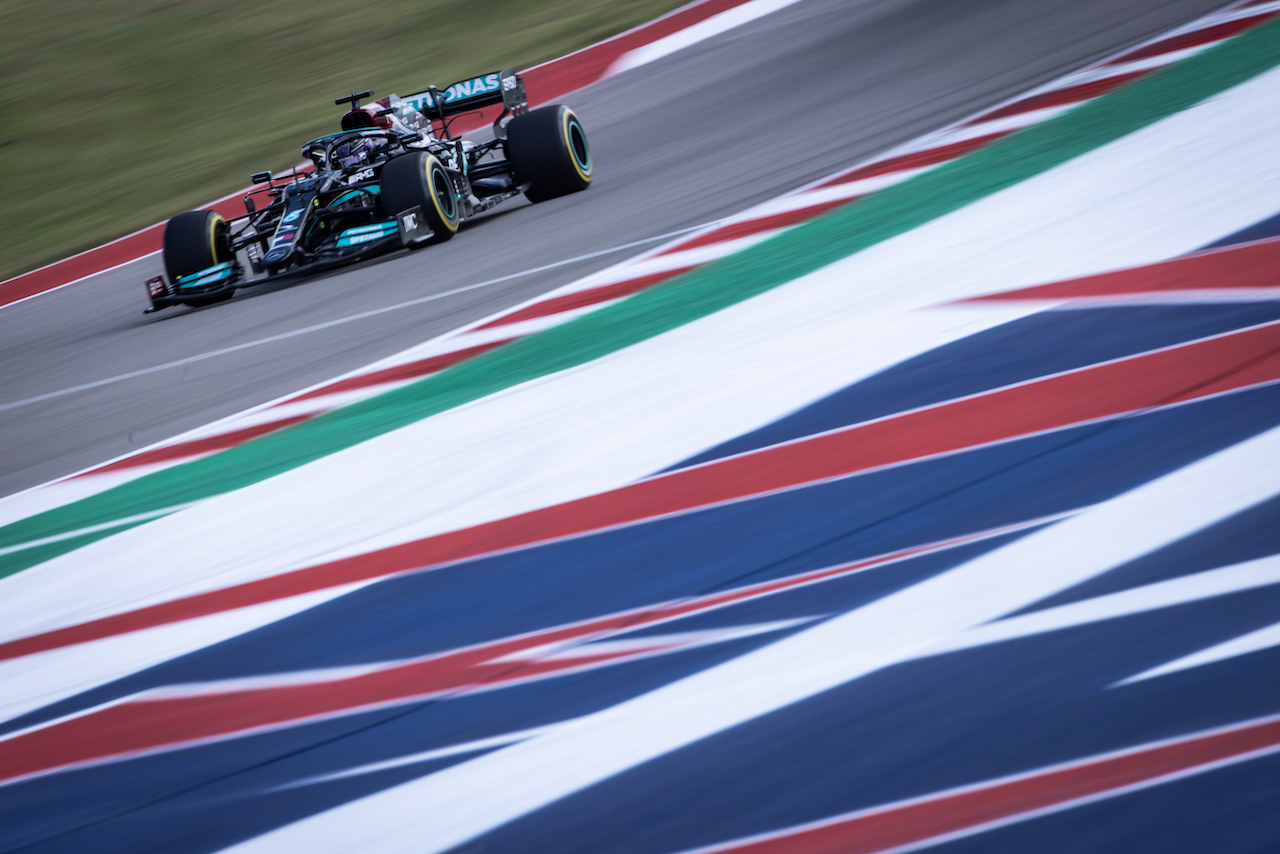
(116, 114)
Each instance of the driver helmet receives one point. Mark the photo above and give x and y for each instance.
(356, 152)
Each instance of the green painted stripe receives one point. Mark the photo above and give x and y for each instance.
(709, 289)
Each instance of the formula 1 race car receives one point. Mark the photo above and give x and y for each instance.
(393, 177)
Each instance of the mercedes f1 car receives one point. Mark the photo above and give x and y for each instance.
(394, 176)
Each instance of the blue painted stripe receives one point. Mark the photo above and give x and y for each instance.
(1246, 536)
(225, 789)
(1022, 350)
(925, 726)
(1266, 229)
(748, 542)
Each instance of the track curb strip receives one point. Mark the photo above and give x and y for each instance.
(711, 241)
(706, 290)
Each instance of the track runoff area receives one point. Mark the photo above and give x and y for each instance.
(931, 506)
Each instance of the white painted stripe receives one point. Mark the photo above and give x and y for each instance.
(1150, 597)
(428, 755)
(701, 31)
(636, 268)
(1102, 72)
(35, 681)
(823, 195)
(575, 648)
(1208, 296)
(60, 492)
(1234, 14)
(1264, 638)
(93, 529)
(474, 797)
(1005, 124)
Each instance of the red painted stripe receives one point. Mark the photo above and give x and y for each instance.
(583, 298)
(1250, 266)
(144, 726)
(1059, 97)
(746, 228)
(916, 159)
(147, 725)
(194, 447)
(1097, 392)
(1195, 38)
(1019, 798)
(398, 373)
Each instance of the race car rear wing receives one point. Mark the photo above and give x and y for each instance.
(501, 87)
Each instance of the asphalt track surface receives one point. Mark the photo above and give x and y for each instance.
(697, 136)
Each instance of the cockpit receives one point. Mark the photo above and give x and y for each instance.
(349, 149)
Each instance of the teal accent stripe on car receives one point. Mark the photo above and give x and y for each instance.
(207, 276)
(366, 234)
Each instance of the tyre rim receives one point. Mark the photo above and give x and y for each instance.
(578, 147)
(442, 188)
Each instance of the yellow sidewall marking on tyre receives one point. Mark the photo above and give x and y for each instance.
(213, 237)
(566, 117)
(432, 165)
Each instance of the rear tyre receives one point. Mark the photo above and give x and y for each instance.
(419, 179)
(192, 242)
(548, 148)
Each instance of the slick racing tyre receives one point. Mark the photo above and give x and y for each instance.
(419, 179)
(192, 242)
(548, 148)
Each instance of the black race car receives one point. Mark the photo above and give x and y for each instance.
(394, 176)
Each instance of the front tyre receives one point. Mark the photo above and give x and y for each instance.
(419, 179)
(547, 147)
(192, 242)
